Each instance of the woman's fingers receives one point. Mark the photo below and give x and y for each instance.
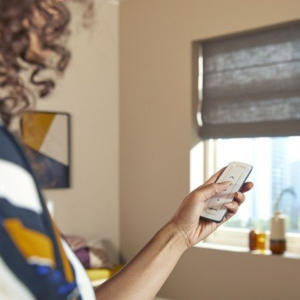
(239, 197)
(210, 189)
(232, 207)
(247, 187)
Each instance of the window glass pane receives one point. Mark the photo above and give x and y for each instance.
(276, 175)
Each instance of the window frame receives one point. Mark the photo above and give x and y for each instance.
(234, 236)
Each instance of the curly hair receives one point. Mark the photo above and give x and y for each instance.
(24, 23)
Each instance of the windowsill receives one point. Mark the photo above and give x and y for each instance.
(244, 250)
(236, 240)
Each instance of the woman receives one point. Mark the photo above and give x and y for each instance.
(35, 262)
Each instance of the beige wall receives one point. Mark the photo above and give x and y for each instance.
(89, 91)
(155, 124)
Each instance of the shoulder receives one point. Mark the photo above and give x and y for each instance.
(17, 184)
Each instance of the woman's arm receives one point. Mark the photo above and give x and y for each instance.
(142, 278)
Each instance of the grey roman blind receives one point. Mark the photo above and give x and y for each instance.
(251, 84)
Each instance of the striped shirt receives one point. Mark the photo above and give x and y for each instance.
(35, 262)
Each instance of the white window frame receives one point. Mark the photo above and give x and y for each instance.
(227, 236)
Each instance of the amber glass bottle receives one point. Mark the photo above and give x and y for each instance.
(253, 240)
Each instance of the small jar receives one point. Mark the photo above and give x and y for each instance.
(253, 240)
(261, 241)
(277, 235)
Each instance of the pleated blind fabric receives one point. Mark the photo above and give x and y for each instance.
(251, 84)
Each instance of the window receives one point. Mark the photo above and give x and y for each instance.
(249, 110)
(276, 173)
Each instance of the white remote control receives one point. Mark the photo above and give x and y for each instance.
(237, 173)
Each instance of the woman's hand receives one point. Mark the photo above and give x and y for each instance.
(187, 218)
(158, 258)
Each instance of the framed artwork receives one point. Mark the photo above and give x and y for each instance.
(46, 138)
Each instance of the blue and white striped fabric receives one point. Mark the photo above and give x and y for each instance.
(35, 263)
